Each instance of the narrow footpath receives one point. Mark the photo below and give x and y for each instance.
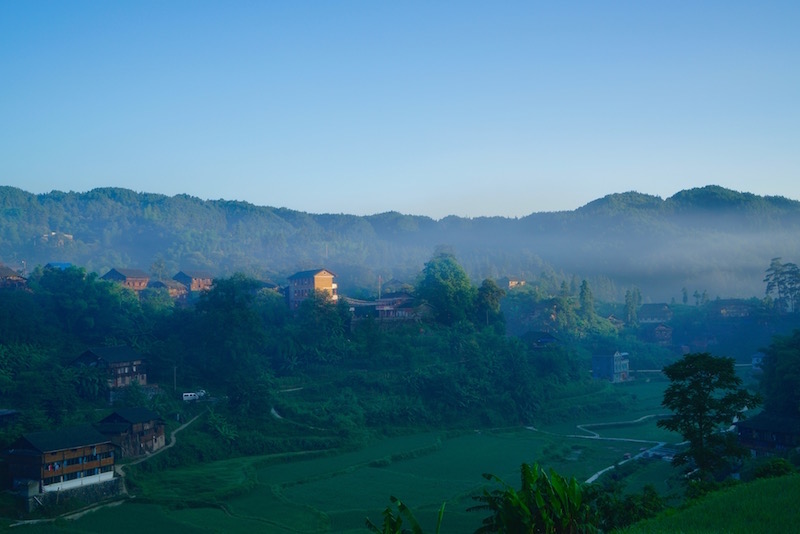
(591, 434)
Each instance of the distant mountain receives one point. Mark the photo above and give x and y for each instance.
(708, 238)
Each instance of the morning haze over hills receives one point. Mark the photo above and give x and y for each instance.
(614, 358)
(708, 239)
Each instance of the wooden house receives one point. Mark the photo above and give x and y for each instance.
(9, 278)
(59, 460)
(510, 283)
(175, 289)
(134, 279)
(134, 431)
(654, 313)
(303, 284)
(731, 308)
(123, 365)
(766, 433)
(195, 280)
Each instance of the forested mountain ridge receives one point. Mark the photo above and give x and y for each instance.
(707, 238)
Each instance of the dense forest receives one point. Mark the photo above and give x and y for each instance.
(708, 239)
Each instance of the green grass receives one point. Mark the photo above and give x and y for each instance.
(760, 506)
(336, 493)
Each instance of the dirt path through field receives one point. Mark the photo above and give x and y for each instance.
(591, 434)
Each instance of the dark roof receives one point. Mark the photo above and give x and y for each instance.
(195, 275)
(127, 273)
(132, 415)
(660, 311)
(65, 438)
(308, 274)
(655, 308)
(58, 265)
(121, 353)
(169, 284)
(6, 272)
(773, 423)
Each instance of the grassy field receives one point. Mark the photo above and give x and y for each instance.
(335, 492)
(759, 506)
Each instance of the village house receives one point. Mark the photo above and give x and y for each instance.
(58, 460)
(510, 283)
(654, 313)
(399, 306)
(539, 340)
(658, 333)
(174, 289)
(766, 434)
(611, 367)
(134, 431)
(58, 266)
(195, 280)
(11, 279)
(731, 308)
(123, 365)
(302, 285)
(134, 279)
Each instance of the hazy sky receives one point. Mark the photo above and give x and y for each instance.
(430, 108)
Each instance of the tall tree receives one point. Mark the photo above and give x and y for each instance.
(446, 287)
(487, 303)
(587, 300)
(783, 280)
(705, 397)
(632, 300)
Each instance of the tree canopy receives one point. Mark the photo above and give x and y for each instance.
(706, 398)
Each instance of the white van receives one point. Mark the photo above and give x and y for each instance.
(187, 397)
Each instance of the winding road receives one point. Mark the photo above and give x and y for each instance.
(590, 434)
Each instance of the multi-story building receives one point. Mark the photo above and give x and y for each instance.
(134, 279)
(57, 460)
(123, 365)
(195, 280)
(303, 284)
(612, 367)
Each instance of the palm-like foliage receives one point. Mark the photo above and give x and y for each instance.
(544, 504)
(393, 522)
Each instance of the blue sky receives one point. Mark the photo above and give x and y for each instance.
(430, 108)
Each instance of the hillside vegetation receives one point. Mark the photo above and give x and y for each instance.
(708, 239)
(767, 505)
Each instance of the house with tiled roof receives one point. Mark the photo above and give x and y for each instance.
(122, 364)
(174, 289)
(10, 278)
(304, 284)
(654, 313)
(195, 280)
(767, 433)
(57, 460)
(134, 431)
(134, 279)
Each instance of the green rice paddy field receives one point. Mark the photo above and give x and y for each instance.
(336, 493)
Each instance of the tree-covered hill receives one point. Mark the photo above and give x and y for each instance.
(708, 239)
